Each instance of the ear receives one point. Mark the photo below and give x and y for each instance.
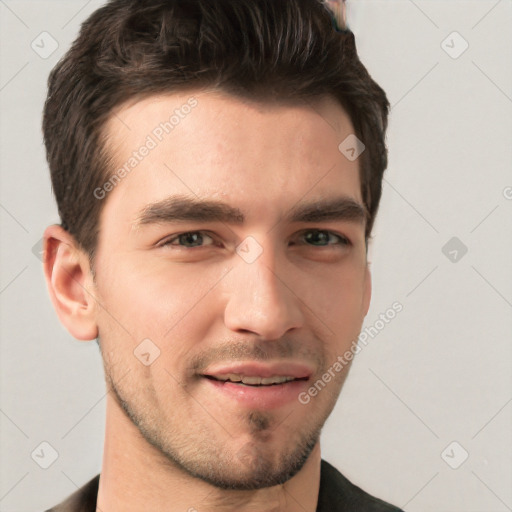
(367, 291)
(70, 283)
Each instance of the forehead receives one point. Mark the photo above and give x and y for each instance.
(206, 144)
(212, 116)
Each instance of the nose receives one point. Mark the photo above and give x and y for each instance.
(261, 299)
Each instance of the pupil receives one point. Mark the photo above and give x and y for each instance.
(189, 238)
(318, 236)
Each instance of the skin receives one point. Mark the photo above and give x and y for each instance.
(171, 437)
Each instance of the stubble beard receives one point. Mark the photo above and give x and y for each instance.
(200, 455)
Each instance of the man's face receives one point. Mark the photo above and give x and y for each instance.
(257, 288)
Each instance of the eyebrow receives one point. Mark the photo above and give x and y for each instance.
(184, 208)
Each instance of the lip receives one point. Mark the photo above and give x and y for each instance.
(254, 369)
(258, 397)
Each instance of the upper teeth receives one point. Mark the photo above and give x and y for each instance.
(235, 377)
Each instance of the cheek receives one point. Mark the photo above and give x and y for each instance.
(337, 306)
(155, 300)
(336, 294)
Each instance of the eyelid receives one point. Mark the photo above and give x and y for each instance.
(343, 239)
(171, 238)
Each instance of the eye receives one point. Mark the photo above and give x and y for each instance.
(188, 240)
(323, 238)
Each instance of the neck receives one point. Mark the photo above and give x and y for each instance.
(136, 476)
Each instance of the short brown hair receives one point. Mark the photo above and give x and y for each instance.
(259, 49)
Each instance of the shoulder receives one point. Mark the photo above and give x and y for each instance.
(338, 494)
(82, 500)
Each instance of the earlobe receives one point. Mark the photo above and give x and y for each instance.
(70, 283)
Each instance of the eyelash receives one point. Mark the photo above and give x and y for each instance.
(343, 241)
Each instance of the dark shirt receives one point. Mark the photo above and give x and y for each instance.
(337, 494)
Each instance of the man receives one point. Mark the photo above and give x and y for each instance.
(217, 166)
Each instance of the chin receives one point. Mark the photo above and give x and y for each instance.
(253, 467)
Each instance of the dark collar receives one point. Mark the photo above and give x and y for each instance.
(337, 494)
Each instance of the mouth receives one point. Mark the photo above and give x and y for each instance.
(258, 385)
(259, 374)
(255, 381)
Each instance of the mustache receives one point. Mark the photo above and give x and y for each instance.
(258, 350)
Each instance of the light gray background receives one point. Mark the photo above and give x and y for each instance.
(439, 372)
